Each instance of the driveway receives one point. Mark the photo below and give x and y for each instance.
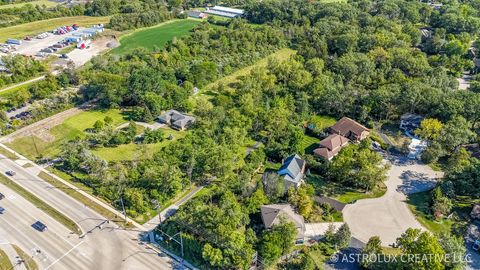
(389, 216)
(317, 230)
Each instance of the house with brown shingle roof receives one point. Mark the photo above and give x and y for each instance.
(275, 214)
(350, 129)
(330, 146)
(344, 130)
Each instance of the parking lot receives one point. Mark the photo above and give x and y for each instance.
(33, 46)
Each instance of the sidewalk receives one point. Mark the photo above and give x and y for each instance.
(169, 211)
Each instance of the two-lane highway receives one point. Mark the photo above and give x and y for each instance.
(108, 247)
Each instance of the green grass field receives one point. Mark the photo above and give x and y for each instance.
(22, 30)
(342, 193)
(137, 151)
(156, 36)
(68, 130)
(309, 143)
(419, 205)
(47, 3)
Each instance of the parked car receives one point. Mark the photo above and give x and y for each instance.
(39, 226)
(10, 173)
(2, 196)
(476, 245)
(2, 210)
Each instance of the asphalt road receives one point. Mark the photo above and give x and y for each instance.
(107, 248)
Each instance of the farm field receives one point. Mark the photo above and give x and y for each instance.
(156, 36)
(22, 30)
(47, 3)
(68, 130)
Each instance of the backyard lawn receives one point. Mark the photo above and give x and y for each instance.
(156, 36)
(68, 130)
(309, 143)
(419, 205)
(137, 151)
(342, 193)
(22, 30)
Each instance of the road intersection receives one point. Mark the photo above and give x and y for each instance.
(102, 247)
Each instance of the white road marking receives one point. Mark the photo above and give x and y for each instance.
(68, 252)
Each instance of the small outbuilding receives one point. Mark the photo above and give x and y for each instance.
(197, 14)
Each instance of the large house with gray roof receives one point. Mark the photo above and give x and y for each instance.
(176, 119)
(292, 171)
(275, 214)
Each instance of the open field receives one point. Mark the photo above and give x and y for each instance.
(30, 263)
(156, 36)
(48, 142)
(5, 263)
(280, 55)
(137, 151)
(47, 3)
(22, 30)
(67, 222)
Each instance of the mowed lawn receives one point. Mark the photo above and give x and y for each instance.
(156, 36)
(70, 129)
(137, 151)
(47, 3)
(22, 30)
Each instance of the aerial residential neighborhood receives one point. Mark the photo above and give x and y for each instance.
(274, 134)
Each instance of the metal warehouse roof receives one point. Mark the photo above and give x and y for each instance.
(229, 10)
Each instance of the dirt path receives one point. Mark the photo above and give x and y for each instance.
(44, 125)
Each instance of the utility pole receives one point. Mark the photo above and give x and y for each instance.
(123, 209)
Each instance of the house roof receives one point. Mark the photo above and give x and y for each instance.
(347, 125)
(292, 168)
(273, 214)
(333, 203)
(176, 118)
(229, 10)
(333, 142)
